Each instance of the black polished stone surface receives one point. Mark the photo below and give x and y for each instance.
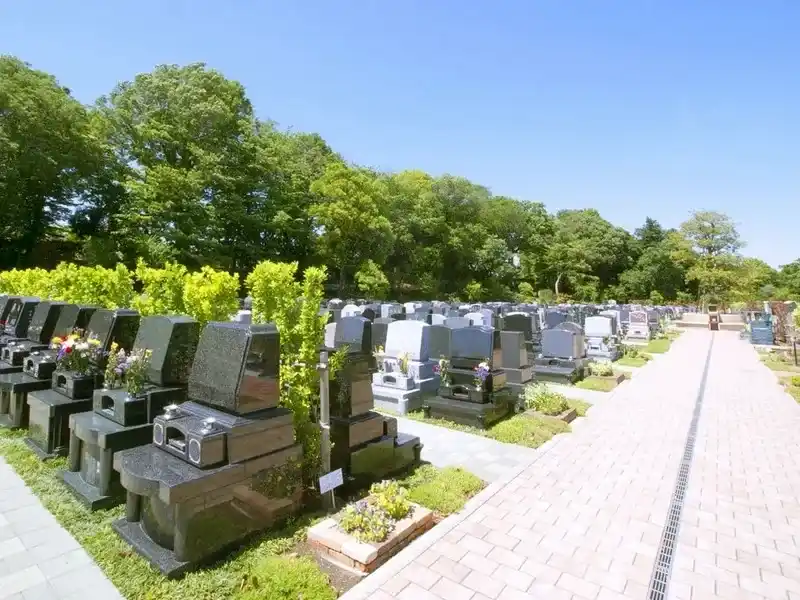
(119, 325)
(480, 415)
(49, 419)
(44, 321)
(74, 317)
(180, 517)
(19, 317)
(173, 343)
(236, 367)
(71, 384)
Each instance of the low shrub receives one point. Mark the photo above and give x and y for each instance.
(392, 498)
(542, 399)
(366, 521)
(795, 381)
(601, 369)
(442, 490)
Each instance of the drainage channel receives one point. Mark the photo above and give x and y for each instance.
(659, 580)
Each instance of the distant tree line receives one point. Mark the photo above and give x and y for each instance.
(174, 167)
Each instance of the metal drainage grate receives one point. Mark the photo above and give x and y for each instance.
(669, 538)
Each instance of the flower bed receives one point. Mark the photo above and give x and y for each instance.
(347, 552)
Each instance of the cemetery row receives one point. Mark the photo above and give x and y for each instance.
(470, 364)
(186, 425)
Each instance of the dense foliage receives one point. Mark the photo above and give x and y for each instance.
(174, 168)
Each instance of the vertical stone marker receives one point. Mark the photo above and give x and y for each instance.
(222, 465)
(40, 332)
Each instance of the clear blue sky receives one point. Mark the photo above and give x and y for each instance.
(634, 107)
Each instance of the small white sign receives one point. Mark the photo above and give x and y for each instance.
(330, 481)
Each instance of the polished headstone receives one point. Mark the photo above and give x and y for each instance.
(236, 367)
(173, 342)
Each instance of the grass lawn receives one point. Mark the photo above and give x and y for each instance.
(530, 431)
(658, 346)
(777, 362)
(633, 361)
(269, 567)
(579, 405)
(792, 390)
(598, 384)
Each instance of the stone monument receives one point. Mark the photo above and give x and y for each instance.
(222, 465)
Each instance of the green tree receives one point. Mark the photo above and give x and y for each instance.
(713, 236)
(185, 138)
(353, 228)
(47, 153)
(372, 282)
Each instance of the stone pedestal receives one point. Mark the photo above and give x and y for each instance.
(558, 370)
(462, 402)
(117, 422)
(602, 347)
(179, 516)
(49, 413)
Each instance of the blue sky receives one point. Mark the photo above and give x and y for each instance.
(634, 107)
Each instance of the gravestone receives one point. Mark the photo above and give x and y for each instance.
(514, 361)
(17, 321)
(552, 318)
(366, 445)
(638, 328)
(50, 404)
(437, 319)
(465, 397)
(761, 332)
(478, 319)
(406, 369)
(40, 333)
(351, 310)
(560, 360)
(601, 337)
(457, 322)
(226, 457)
(120, 421)
(380, 328)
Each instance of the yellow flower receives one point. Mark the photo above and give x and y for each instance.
(57, 340)
(94, 341)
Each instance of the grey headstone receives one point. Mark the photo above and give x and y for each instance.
(513, 354)
(457, 322)
(410, 337)
(439, 341)
(519, 321)
(472, 342)
(561, 343)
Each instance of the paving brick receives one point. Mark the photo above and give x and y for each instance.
(450, 569)
(450, 590)
(484, 584)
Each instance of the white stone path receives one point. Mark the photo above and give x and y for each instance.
(584, 519)
(39, 560)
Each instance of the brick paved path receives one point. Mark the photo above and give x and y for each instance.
(38, 559)
(584, 519)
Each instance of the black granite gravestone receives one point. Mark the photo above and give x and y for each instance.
(365, 447)
(17, 321)
(119, 420)
(40, 332)
(71, 392)
(221, 466)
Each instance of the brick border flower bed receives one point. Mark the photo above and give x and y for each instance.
(345, 551)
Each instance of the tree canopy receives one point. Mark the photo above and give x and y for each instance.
(174, 168)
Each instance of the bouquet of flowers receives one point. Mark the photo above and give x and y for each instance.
(115, 367)
(76, 353)
(134, 370)
(377, 353)
(442, 369)
(481, 373)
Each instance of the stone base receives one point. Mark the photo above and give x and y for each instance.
(180, 517)
(397, 401)
(603, 351)
(49, 420)
(7, 368)
(481, 416)
(343, 550)
(376, 460)
(518, 389)
(558, 370)
(89, 495)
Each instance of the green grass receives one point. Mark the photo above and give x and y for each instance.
(598, 384)
(264, 568)
(658, 346)
(239, 577)
(792, 390)
(579, 405)
(778, 362)
(633, 361)
(444, 491)
(530, 431)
